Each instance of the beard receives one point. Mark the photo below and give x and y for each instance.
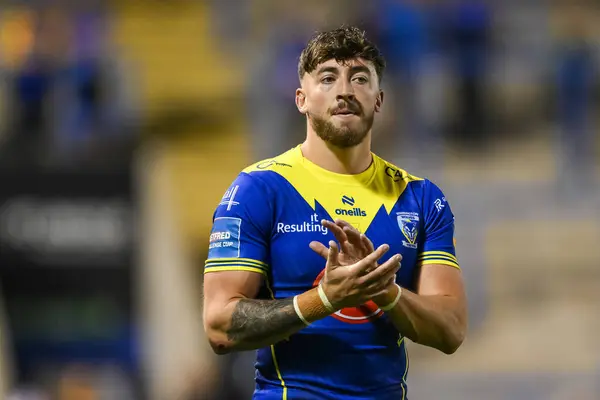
(341, 137)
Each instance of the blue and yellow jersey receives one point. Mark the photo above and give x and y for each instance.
(264, 224)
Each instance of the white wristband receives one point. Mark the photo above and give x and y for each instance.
(396, 300)
(325, 300)
(297, 309)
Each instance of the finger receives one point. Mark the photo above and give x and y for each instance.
(379, 293)
(332, 255)
(367, 243)
(392, 278)
(381, 287)
(385, 281)
(367, 262)
(344, 224)
(339, 234)
(347, 227)
(354, 238)
(319, 248)
(390, 266)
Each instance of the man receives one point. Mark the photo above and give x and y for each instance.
(333, 329)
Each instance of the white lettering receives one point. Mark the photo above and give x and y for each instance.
(301, 228)
(438, 203)
(228, 198)
(220, 236)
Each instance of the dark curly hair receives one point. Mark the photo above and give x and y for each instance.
(341, 44)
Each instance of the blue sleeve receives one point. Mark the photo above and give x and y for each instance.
(239, 239)
(438, 243)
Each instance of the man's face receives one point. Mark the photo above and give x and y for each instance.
(341, 100)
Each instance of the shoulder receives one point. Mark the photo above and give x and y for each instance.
(395, 173)
(272, 174)
(397, 180)
(422, 189)
(273, 164)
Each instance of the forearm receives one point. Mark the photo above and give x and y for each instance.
(435, 321)
(250, 324)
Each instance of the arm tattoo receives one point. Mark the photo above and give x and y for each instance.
(260, 320)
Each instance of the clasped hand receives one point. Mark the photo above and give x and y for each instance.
(352, 273)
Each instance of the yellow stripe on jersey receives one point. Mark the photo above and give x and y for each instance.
(405, 372)
(400, 342)
(441, 262)
(234, 268)
(235, 264)
(445, 258)
(438, 253)
(278, 372)
(237, 260)
(438, 257)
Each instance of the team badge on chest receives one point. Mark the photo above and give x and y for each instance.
(408, 222)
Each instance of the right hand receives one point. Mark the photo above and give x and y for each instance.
(355, 284)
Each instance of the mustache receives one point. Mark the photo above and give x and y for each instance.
(345, 107)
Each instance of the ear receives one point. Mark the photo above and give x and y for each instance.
(379, 101)
(301, 101)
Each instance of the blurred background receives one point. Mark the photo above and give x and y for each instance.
(123, 123)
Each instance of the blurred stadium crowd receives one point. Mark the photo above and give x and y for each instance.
(122, 124)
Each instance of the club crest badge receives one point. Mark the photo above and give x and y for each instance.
(409, 226)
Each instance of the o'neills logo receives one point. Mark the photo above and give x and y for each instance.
(352, 212)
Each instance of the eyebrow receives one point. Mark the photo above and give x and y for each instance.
(353, 70)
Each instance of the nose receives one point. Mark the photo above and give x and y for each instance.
(346, 91)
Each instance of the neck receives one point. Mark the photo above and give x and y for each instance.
(351, 160)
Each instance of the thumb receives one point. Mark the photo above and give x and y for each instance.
(332, 255)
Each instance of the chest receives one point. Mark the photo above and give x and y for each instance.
(296, 267)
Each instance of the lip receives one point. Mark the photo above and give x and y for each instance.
(345, 118)
(344, 113)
